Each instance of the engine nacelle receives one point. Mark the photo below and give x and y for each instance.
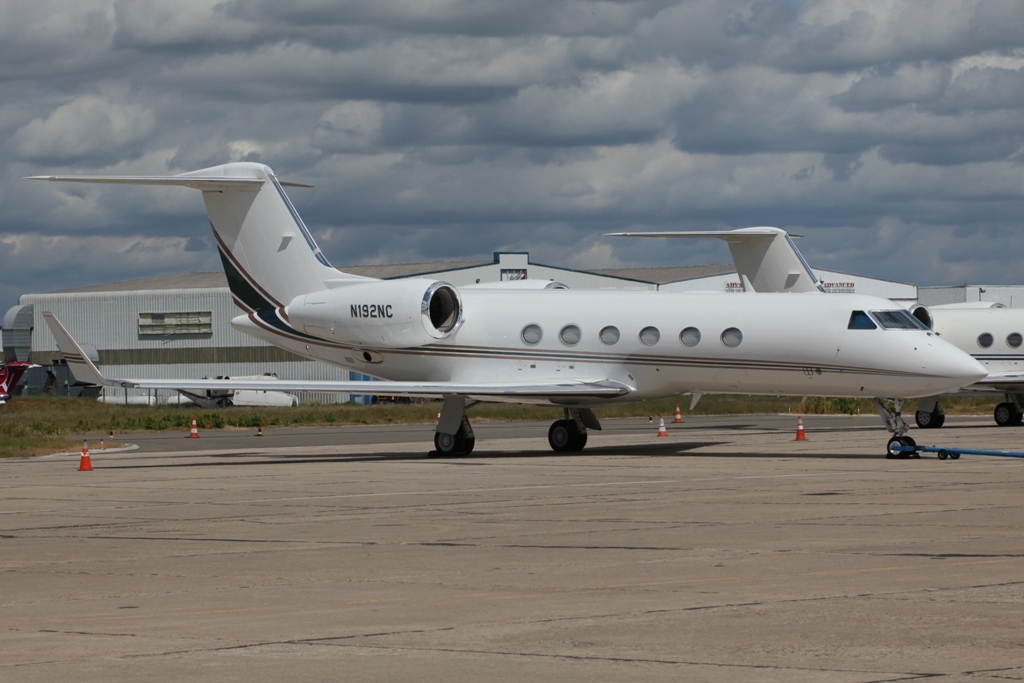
(923, 314)
(381, 313)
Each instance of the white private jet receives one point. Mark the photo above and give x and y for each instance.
(994, 335)
(531, 343)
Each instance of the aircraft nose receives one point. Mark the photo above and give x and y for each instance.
(960, 367)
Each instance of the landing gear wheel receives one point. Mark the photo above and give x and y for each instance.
(581, 441)
(1006, 414)
(453, 444)
(892, 452)
(932, 420)
(561, 435)
(564, 436)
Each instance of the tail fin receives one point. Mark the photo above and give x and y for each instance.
(766, 258)
(269, 255)
(81, 367)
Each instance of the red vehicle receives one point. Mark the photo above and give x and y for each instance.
(10, 373)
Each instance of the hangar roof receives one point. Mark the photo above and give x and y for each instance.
(212, 280)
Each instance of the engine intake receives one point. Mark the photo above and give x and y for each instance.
(380, 313)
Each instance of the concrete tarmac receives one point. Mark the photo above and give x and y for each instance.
(724, 552)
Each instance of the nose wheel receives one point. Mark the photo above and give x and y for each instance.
(894, 449)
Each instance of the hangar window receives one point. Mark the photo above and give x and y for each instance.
(984, 340)
(570, 335)
(898, 320)
(1013, 340)
(610, 335)
(649, 336)
(690, 336)
(532, 334)
(166, 324)
(859, 320)
(732, 337)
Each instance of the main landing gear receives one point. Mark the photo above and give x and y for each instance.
(1007, 414)
(569, 435)
(453, 436)
(891, 412)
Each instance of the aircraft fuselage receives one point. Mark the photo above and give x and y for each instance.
(795, 344)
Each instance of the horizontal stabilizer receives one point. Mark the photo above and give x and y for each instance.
(205, 184)
(85, 371)
(766, 258)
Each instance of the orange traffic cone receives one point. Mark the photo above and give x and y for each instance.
(194, 432)
(661, 427)
(259, 431)
(679, 415)
(85, 464)
(800, 436)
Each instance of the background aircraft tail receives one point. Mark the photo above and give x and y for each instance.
(269, 255)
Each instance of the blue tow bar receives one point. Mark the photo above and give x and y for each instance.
(953, 453)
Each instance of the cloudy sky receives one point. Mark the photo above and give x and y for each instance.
(887, 132)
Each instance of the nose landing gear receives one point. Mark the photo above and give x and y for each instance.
(891, 412)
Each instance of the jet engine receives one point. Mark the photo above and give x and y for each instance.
(923, 314)
(380, 313)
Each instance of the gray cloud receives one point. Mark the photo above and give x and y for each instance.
(890, 133)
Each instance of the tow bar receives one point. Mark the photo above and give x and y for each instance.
(954, 452)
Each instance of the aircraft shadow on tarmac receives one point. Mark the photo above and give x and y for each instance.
(660, 450)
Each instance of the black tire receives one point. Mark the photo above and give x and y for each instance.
(581, 441)
(452, 445)
(1005, 414)
(942, 454)
(562, 435)
(930, 420)
(1018, 417)
(892, 454)
(954, 456)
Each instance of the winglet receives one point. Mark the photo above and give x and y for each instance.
(80, 365)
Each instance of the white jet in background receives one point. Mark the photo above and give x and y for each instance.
(994, 335)
(573, 349)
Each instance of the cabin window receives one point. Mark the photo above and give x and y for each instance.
(859, 320)
(570, 335)
(898, 320)
(732, 337)
(532, 334)
(984, 340)
(1013, 340)
(649, 336)
(690, 336)
(609, 335)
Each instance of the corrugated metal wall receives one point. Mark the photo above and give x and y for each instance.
(109, 322)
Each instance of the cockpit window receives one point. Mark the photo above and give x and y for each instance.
(859, 320)
(897, 320)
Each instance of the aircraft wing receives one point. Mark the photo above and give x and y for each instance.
(766, 258)
(1012, 382)
(85, 371)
